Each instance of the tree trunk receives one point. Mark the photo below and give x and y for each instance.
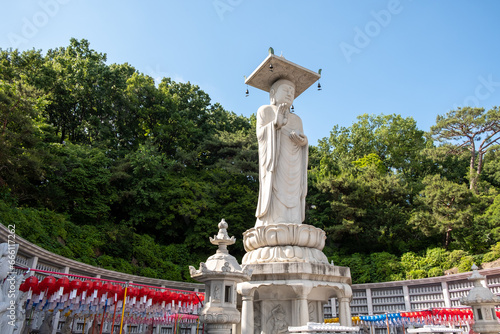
(479, 163)
(63, 134)
(472, 169)
(448, 237)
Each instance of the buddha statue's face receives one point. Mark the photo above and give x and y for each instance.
(283, 91)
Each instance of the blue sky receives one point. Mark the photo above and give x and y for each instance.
(414, 58)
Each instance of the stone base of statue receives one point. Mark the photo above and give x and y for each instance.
(284, 243)
(291, 279)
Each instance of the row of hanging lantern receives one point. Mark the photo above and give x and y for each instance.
(87, 298)
(441, 316)
(435, 316)
(381, 320)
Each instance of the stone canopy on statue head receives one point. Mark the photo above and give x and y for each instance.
(265, 75)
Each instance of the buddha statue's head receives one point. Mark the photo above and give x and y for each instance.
(282, 91)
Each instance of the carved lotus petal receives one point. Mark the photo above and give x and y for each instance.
(284, 235)
(265, 253)
(289, 252)
(284, 254)
(299, 252)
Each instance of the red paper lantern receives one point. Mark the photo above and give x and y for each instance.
(142, 292)
(86, 286)
(62, 282)
(47, 283)
(119, 291)
(75, 284)
(23, 287)
(166, 295)
(105, 289)
(159, 297)
(31, 282)
(132, 292)
(62, 286)
(97, 286)
(36, 290)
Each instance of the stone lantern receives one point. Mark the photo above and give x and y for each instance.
(220, 273)
(483, 303)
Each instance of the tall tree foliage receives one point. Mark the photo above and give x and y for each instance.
(395, 140)
(473, 128)
(22, 129)
(444, 207)
(368, 174)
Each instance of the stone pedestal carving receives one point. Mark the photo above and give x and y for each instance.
(295, 287)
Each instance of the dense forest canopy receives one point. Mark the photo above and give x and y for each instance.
(100, 164)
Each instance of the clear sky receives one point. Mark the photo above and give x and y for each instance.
(416, 58)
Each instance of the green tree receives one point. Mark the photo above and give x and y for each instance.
(443, 207)
(22, 132)
(367, 176)
(79, 183)
(368, 211)
(491, 171)
(395, 140)
(475, 129)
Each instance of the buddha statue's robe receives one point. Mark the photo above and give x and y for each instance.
(282, 170)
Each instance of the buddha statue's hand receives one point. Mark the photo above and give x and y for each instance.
(298, 139)
(281, 115)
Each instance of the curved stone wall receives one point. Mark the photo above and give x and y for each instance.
(32, 256)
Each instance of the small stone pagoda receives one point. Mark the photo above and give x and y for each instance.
(220, 273)
(483, 303)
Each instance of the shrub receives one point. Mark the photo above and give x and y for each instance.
(416, 274)
(435, 271)
(493, 254)
(466, 263)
